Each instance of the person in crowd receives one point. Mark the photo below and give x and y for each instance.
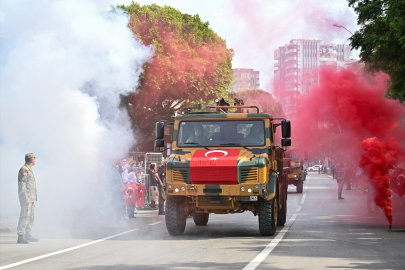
(341, 175)
(124, 170)
(370, 193)
(140, 166)
(27, 194)
(153, 181)
(130, 160)
(132, 177)
(198, 135)
(113, 190)
(162, 175)
(349, 177)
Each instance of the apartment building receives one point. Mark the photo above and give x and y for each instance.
(245, 79)
(296, 69)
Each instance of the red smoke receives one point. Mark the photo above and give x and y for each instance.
(337, 118)
(377, 160)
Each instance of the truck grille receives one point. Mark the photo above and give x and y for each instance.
(214, 202)
(180, 175)
(248, 175)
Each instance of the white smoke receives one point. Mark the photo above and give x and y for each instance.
(64, 65)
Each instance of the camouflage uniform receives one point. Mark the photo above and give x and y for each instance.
(27, 191)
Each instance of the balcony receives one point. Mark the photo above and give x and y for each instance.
(291, 65)
(290, 58)
(324, 59)
(290, 79)
(291, 73)
(290, 51)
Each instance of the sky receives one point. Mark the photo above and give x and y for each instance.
(255, 28)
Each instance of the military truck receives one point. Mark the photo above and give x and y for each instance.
(223, 162)
(297, 173)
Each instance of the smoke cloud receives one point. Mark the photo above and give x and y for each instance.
(64, 65)
(263, 26)
(347, 118)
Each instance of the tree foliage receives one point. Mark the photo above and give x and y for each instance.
(381, 40)
(191, 63)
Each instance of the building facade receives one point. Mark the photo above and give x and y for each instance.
(296, 69)
(245, 79)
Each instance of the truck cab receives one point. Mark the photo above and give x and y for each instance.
(223, 162)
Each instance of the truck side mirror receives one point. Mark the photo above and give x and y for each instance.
(286, 128)
(159, 143)
(285, 142)
(160, 130)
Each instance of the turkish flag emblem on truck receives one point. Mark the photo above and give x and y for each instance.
(397, 182)
(214, 167)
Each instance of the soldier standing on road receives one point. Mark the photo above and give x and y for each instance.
(27, 194)
(340, 178)
(162, 175)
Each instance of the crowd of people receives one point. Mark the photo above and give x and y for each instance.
(127, 171)
(353, 177)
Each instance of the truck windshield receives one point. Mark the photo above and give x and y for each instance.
(221, 133)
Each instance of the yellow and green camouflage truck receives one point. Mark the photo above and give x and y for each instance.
(297, 174)
(222, 162)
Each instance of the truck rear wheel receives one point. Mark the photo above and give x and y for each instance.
(300, 186)
(201, 219)
(175, 217)
(267, 217)
(282, 213)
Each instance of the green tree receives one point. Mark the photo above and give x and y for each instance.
(381, 40)
(191, 64)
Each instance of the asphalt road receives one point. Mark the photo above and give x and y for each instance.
(322, 232)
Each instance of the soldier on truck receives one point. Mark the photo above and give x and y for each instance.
(237, 167)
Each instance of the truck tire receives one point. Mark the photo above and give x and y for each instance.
(282, 213)
(300, 186)
(267, 217)
(175, 217)
(201, 219)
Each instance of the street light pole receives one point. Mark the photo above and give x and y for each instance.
(341, 26)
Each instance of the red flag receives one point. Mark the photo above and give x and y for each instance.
(129, 192)
(397, 182)
(214, 167)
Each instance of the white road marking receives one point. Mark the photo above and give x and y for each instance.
(303, 198)
(64, 250)
(269, 248)
(155, 223)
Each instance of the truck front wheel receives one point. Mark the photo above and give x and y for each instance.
(267, 217)
(201, 219)
(175, 217)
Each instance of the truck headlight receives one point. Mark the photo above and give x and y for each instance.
(176, 190)
(256, 186)
(242, 188)
(183, 189)
(169, 185)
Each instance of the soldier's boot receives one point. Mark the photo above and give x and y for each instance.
(31, 238)
(22, 240)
